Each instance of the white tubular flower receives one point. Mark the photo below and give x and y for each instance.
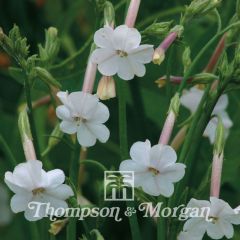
(216, 222)
(82, 113)
(5, 216)
(192, 98)
(155, 168)
(120, 52)
(31, 183)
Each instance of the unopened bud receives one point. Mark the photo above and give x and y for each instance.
(54, 139)
(175, 104)
(26, 136)
(198, 8)
(203, 78)
(24, 126)
(186, 59)
(52, 45)
(57, 226)
(109, 14)
(158, 29)
(46, 76)
(219, 138)
(106, 88)
(158, 56)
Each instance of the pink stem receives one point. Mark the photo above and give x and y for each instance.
(29, 150)
(216, 175)
(167, 42)
(132, 13)
(167, 128)
(90, 76)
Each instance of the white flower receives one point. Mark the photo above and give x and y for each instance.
(31, 183)
(120, 52)
(155, 168)
(5, 216)
(82, 113)
(192, 98)
(217, 223)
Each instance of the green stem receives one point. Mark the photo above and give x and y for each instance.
(73, 175)
(161, 222)
(31, 117)
(71, 58)
(200, 55)
(34, 231)
(94, 163)
(121, 87)
(6, 149)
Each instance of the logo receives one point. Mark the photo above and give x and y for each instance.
(118, 185)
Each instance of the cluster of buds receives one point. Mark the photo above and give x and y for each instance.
(158, 29)
(49, 51)
(198, 8)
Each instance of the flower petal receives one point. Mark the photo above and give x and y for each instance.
(191, 99)
(8, 179)
(109, 67)
(162, 156)
(62, 192)
(103, 37)
(19, 202)
(101, 114)
(63, 113)
(99, 130)
(55, 178)
(174, 172)
(151, 187)
(140, 152)
(125, 69)
(85, 137)
(125, 38)
(84, 104)
(142, 54)
(138, 68)
(68, 127)
(165, 187)
(221, 104)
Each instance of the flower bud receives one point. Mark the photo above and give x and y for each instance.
(158, 56)
(175, 104)
(46, 76)
(158, 29)
(198, 8)
(51, 47)
(106, 88)
(57, 226)
(54, 139)
(186, 58)
(219, 138)
(1, 34)
(26, 136)
(203, 78)
(24, 126)
(109, 14)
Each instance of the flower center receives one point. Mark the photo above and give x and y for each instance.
(154, 171)
(79, 120)
(213, 219)
(37, 191)
(121, 53)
